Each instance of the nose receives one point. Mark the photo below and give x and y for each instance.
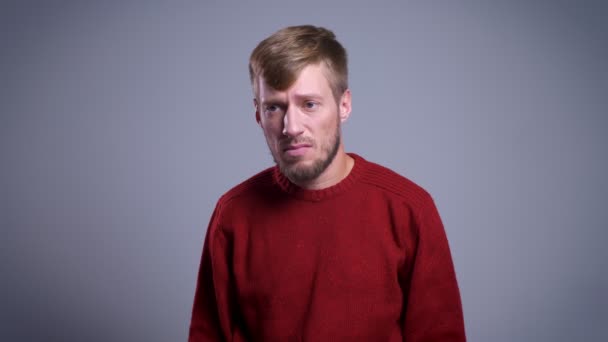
(292, 125)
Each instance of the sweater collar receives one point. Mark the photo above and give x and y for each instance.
(317, 195)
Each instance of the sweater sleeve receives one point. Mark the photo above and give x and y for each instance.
(433, 309)
(212, 313)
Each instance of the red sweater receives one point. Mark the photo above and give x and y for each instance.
(364, 260)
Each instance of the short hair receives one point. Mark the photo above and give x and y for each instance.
(281, 57)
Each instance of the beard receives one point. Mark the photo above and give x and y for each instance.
(304, 173)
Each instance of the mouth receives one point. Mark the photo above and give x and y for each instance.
(297, 149)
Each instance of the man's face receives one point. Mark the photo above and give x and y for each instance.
(302, 123)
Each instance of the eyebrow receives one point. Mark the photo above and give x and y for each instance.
(272, 101)
(279, 101)
(309, 96)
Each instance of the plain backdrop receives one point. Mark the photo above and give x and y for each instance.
(122, 122)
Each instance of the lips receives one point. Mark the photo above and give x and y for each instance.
(296, 147)
(296, 150)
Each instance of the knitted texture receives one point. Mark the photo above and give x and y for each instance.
(364, 260)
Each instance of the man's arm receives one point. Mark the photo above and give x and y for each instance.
(433, 309)
(211, 313)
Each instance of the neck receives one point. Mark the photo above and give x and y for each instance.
(339, 168)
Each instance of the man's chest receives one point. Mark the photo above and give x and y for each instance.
(286, 270)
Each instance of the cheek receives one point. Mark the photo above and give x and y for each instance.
(329, 126)
(273, 125)
(272, 134)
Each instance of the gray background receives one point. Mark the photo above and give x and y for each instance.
(123, 122)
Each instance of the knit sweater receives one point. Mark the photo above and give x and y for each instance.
(364, 260)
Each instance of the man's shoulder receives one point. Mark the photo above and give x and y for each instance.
(258, 184)
(389, 181)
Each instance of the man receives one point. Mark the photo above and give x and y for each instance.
(326, 246)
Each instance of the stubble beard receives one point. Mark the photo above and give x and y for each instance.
(300, 174)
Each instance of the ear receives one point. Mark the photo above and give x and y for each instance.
(345, 105)
(257, 110)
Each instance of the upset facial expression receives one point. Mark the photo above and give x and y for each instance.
(302, 123)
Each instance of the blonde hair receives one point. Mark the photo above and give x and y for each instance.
(280, 58)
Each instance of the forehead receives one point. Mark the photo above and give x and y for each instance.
(312, 80)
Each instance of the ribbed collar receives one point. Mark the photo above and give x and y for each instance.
(317, 195)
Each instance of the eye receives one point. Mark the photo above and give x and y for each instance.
(272, 108)
(311, 105)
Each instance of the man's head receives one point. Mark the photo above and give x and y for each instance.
(299, 78)
(280, 58)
